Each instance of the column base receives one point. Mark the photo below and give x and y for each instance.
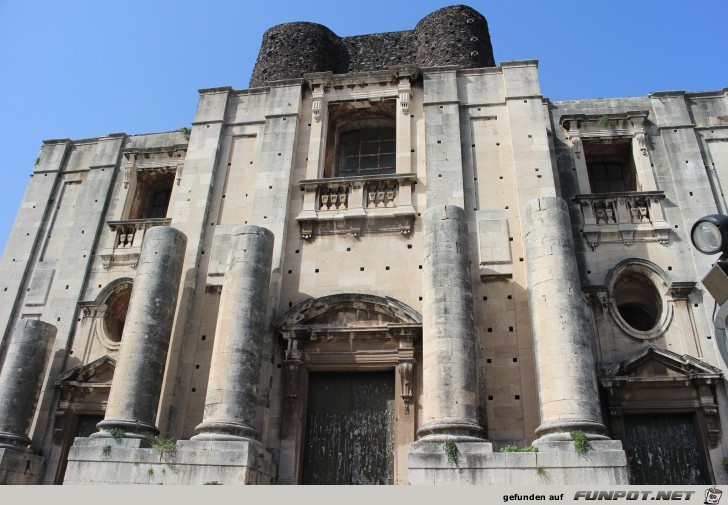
(442, 430)
(126, 428)
(561, 430)
(15, 442)
(19, 467)
(222, 431)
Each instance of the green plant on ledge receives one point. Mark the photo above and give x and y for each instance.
(150, 472)
(165, 447)
(185, 131)
(117, 434)
(106, 451)
(452, 452)
(540, 471)
(581, 443)
(514, 448)
(603, 121)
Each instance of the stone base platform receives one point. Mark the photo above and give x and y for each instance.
(554, 463)
(133, 461)
(19, 467)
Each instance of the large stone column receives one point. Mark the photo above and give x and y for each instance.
(562, 334)
(137, 384)
(21, 380)
(449, 376)
(232, 390)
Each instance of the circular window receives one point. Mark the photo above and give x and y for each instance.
(636, 303)
(115, 316)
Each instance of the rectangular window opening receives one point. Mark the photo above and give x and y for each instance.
(611, 165)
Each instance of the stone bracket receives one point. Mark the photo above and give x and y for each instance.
(292, 364)
(712, 422)
(406, 364)
(406, 376)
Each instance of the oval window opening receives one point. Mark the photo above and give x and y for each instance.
(638, 301)
(115, 315)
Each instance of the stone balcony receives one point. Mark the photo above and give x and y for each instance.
(357, 205)
(628, 217)
(125, 242)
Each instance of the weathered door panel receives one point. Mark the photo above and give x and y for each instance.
(85, 426)
(664, 450)
(349, 429)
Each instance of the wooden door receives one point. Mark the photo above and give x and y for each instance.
(349, 428)
(85, 426)
(664, 450)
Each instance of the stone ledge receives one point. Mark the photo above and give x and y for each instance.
(555, 463)
(126, 462)
(19, 467)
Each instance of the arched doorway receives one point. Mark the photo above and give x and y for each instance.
(350, 372)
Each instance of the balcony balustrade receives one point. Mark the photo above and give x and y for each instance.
(125, 243)
(356, 205)
(628, 217)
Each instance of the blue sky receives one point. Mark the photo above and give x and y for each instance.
(79, 69)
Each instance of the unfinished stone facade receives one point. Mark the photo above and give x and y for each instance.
(384, 262)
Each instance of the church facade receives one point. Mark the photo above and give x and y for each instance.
(387, 261)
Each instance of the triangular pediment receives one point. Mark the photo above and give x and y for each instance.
(100, 371)
(655, 363)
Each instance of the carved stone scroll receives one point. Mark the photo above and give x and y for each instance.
(407, 378)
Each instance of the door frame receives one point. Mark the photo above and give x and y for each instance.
(398, 356)
(654, 380)
(389, 342)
